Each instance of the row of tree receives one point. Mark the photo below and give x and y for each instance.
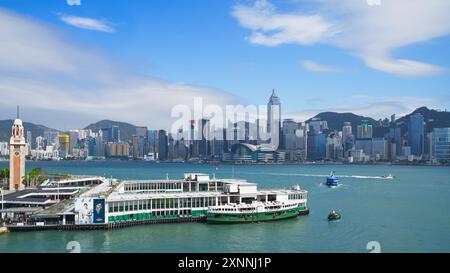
(34, 178)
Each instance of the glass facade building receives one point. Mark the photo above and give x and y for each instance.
(416, 134)
(440, 145)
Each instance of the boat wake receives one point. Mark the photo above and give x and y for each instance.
(340, 185)
(364, 177)
(320, 175)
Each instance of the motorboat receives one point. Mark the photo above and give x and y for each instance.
(332, 180)
(389, 176)
(334, 215)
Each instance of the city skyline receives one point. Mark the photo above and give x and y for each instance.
(412, 138)
(79, 68)
(283, 118)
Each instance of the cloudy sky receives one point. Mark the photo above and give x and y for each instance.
(71, 65)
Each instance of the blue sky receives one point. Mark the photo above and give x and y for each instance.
(318, 55)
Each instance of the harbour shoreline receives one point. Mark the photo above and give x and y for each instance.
(306, 163)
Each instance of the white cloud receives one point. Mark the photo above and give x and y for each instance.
(372, 32)
(87, 23)
(271, 29)
(317, 67)
(65, 85)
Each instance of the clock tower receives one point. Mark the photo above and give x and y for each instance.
(17, 156)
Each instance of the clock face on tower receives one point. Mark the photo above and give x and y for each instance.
(16, 153)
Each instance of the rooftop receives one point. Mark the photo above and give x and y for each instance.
(115, 196)
(37, 196)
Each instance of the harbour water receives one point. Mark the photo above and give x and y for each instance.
(408, 214)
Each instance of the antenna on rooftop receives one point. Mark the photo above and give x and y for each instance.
(18, 111)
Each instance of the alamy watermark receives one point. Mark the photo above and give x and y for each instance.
(374, 247)
(73, 2)
(373, 2)
(74, 247)
(229, 122)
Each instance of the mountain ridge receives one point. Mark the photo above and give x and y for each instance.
(35, 129)
(127, 130)
(433, 118)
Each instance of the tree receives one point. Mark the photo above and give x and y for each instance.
(35, 177)
(4, 173)
(4, 176)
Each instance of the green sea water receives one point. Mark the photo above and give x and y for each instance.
(408, 214)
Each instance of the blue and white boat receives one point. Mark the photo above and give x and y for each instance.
(332, 181)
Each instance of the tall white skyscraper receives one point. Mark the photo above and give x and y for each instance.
(274, 117)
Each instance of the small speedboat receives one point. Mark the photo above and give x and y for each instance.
(389, 176)
(333, 216)
(332, 181)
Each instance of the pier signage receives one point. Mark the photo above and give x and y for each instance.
(99, 211)
(90, 211)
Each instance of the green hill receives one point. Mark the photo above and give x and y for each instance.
(36, 130)
(433, 119)
(126, 130)
(336, 120)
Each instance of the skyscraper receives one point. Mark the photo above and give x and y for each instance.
(204, 145)
(29, 138)
(346, 130)
(274, 117)
(395, 136)
(364, 138)
(364, 130)
(106, 135)
(416, 134)
(380, 149)
(64, 144)
(348, 139)
(142, 138)
(289, 137)
(440, 145)
(153, 141)
(163, 145)
(317, 139)
(135, 143)
(51, 136)
(317, 125)
(73, 140)
(90, 143)
(115, 134)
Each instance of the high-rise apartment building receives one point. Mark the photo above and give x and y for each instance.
(416, 134)
(364, 130)
(440, 145)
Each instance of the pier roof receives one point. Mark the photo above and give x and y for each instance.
(38, 196)
(103, 189)
(115, 196)
(279, 191)
(21, 210)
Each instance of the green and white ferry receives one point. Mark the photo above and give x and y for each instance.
(256, 212)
